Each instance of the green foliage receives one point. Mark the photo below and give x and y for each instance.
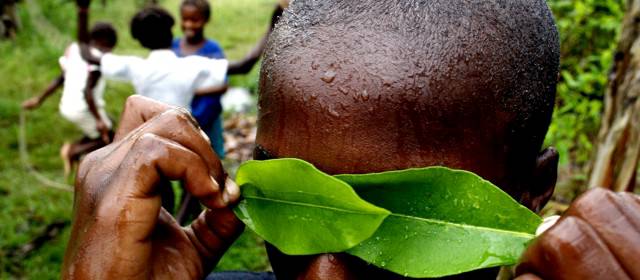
(301, 210)
(588, 33)
(442, 221)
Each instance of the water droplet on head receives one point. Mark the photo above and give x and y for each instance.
(328, 76)
(334, 113)
(365, 95)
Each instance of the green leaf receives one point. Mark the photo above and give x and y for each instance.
(302, 210)
(443, 222)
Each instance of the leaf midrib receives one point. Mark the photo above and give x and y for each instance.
(517, 233)
(427, 220)
(378, 213)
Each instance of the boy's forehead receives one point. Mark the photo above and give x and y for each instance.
(351, 98)
(333, 112)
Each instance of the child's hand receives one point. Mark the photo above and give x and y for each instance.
(31, 103)
(120, 230)
(83, 3)
(597, 238)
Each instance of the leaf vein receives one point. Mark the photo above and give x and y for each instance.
(314, 205)
(520, 234)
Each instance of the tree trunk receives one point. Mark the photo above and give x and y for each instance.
(618, 145)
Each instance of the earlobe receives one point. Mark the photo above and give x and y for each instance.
(544, 178)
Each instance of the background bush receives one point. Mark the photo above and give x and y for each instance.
(589, 31)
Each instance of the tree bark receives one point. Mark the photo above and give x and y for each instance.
(618, 144)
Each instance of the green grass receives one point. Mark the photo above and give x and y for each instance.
(28, 64)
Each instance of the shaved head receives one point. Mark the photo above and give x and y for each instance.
(429, 82)
(375, 85)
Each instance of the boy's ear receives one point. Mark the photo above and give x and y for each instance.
(544, 178)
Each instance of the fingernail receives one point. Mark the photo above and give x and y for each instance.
(225, 197)
(231, 190)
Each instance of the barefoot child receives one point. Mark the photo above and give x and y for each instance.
(82, 100)
(361, 87)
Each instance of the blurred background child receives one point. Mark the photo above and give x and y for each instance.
(82, 100)
(207, 109)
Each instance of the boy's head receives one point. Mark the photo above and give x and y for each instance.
(194, 14)
(151, 26)
(103, 36)
(368, 86)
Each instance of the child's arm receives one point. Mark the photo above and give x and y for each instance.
(244, 65)
(83, 32)
(36, 101)
(213, 90)
(92, 81)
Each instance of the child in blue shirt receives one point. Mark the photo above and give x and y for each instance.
(207, 109)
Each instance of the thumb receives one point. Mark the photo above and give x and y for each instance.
(213, 232)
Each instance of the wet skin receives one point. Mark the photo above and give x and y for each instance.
(120, 230)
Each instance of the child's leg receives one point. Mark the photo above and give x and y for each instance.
(84, 146)
(72, 152)
(84, 120)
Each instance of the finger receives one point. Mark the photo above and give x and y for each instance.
(213, 232)
(616, 222)
(137, 110)
(177, 125)
(570, 250)
(153, 155)
(231, 193)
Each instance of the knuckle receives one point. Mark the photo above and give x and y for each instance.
(86, 164)
(182, 116)
(147, 142)
(560, 236)
(133, 101)
(592, 197)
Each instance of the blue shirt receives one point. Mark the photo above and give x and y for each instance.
(205, 109)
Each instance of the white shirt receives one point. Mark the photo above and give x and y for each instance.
(76, 71)
(165, 77)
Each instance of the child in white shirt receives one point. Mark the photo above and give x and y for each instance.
(84, 108)
(162, 75)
